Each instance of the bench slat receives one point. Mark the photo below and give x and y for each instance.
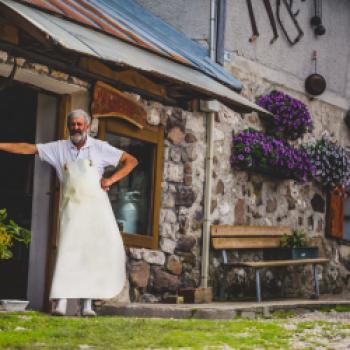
(245, 242)
(272, 263)
(238, 231)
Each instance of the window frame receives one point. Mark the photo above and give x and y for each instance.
(154, 135)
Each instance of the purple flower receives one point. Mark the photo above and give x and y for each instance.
(291, 118)
(269, 152)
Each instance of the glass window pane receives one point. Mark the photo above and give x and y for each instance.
(132, 197)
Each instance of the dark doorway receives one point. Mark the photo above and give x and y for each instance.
(18, 108)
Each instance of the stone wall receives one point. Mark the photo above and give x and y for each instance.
(154, 275)
(251, 199)
(238, 198)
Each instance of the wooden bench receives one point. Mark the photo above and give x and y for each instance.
(225, 237)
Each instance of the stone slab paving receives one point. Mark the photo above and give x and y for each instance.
(218, 310)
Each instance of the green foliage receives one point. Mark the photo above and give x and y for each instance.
(283, 314)
(342, 308)
(9, 233)
(295, 240)
(33, 330)
(337, 308)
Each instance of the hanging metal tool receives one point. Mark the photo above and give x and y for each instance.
(8, 80)
(272, 20)
(292, 16)
(316, 20)
(291, 8)
(252, 21)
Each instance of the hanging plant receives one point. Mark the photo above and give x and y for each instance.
(253, 150)
(291, 118)
(332, 163)
(10, 232)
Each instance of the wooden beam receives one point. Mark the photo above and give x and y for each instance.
(14, 18)
(128, 77)
(9, 33)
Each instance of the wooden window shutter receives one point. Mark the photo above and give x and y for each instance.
(335, 213)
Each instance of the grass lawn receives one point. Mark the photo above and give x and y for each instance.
(32, 330)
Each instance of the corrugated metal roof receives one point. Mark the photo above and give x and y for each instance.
(130, 22)
(74, 37)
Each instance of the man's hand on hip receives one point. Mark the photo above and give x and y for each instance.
(128, 163)
(106, 184)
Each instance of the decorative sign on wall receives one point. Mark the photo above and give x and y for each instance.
(110, 102)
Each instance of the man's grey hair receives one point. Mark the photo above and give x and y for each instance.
(79, 113)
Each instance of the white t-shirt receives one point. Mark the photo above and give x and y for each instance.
(59, 153)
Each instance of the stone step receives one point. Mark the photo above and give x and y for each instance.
(217, 311)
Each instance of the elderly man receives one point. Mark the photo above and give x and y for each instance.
(90, 260)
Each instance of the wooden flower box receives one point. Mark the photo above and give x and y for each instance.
(290, 253)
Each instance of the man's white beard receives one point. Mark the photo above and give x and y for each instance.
(77, 137)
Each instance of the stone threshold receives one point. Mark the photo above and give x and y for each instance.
(218, 310)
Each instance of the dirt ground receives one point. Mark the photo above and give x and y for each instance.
(333, 332)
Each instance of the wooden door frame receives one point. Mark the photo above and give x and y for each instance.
(63, 108)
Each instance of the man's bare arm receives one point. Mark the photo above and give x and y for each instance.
(19, 148)
(128, 164)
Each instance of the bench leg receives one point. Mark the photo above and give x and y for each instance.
(316, 283)
(258, 285)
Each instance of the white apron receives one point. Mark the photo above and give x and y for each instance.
(90, 257)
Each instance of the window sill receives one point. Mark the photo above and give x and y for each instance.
(139, 241)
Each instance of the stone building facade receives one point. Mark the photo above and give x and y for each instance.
(238, 197)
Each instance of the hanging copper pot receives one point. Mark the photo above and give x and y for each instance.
(315, 84)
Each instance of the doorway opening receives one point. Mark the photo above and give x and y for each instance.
(18, 109)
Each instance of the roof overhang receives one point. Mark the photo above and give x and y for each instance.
(88, 42)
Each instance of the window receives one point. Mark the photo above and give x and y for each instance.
(136, 198)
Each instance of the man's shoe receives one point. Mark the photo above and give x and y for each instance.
(60, 308)
(87, 308)
(88, 313)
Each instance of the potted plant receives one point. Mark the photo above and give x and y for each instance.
(10, 232)
(293, 246)
(290, 117)
(254, 151)
(331, 162)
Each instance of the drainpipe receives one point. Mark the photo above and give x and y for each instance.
(210, 107)
(212, 37)
(207, 195)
